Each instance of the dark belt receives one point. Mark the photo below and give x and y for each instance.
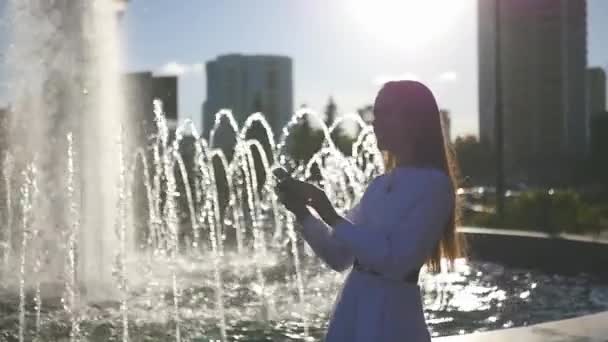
(411, 278)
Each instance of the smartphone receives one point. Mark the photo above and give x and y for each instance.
(280, 174)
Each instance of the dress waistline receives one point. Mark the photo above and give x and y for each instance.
(410, 278)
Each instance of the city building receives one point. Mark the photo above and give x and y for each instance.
(446, 124)
(599, 147)
(596, 91)
(541, 47)
(247, 84)
(596, 97)
(141, 89)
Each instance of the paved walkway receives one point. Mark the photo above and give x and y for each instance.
(592, 328)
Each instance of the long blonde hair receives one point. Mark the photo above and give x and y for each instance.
(452, 244)
(429, 148)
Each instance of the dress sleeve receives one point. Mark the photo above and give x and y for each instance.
(320, 236)
(354, 214)
(404, 247)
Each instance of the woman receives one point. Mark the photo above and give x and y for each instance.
(405, 218)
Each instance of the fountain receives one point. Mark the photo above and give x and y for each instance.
(64, 65)
(107, 238)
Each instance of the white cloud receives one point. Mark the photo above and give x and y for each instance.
(448, 76)
(380, 80)
(178, 69)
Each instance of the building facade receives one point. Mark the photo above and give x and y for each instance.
(141, 89)
(247, 84)
(596, 88)
(541, 46)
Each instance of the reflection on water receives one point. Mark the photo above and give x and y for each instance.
(478, 297)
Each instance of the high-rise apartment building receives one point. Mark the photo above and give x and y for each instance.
(541, 46)
(247, 84)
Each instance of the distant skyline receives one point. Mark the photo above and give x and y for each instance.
(335, 50)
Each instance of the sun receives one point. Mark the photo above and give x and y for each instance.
(405, 23)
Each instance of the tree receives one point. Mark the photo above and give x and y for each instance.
(366, 113)
(474, 160)
(331, 112)
(342, 140)
(304, 141)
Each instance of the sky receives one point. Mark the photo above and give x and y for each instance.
(340, 48)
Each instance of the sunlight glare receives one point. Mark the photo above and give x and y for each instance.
(406, 23)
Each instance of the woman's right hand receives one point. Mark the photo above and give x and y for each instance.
(292, 199)
(316, 198)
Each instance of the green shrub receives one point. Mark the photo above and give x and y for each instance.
(548, 211)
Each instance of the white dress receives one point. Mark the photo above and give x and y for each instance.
(391, 232)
